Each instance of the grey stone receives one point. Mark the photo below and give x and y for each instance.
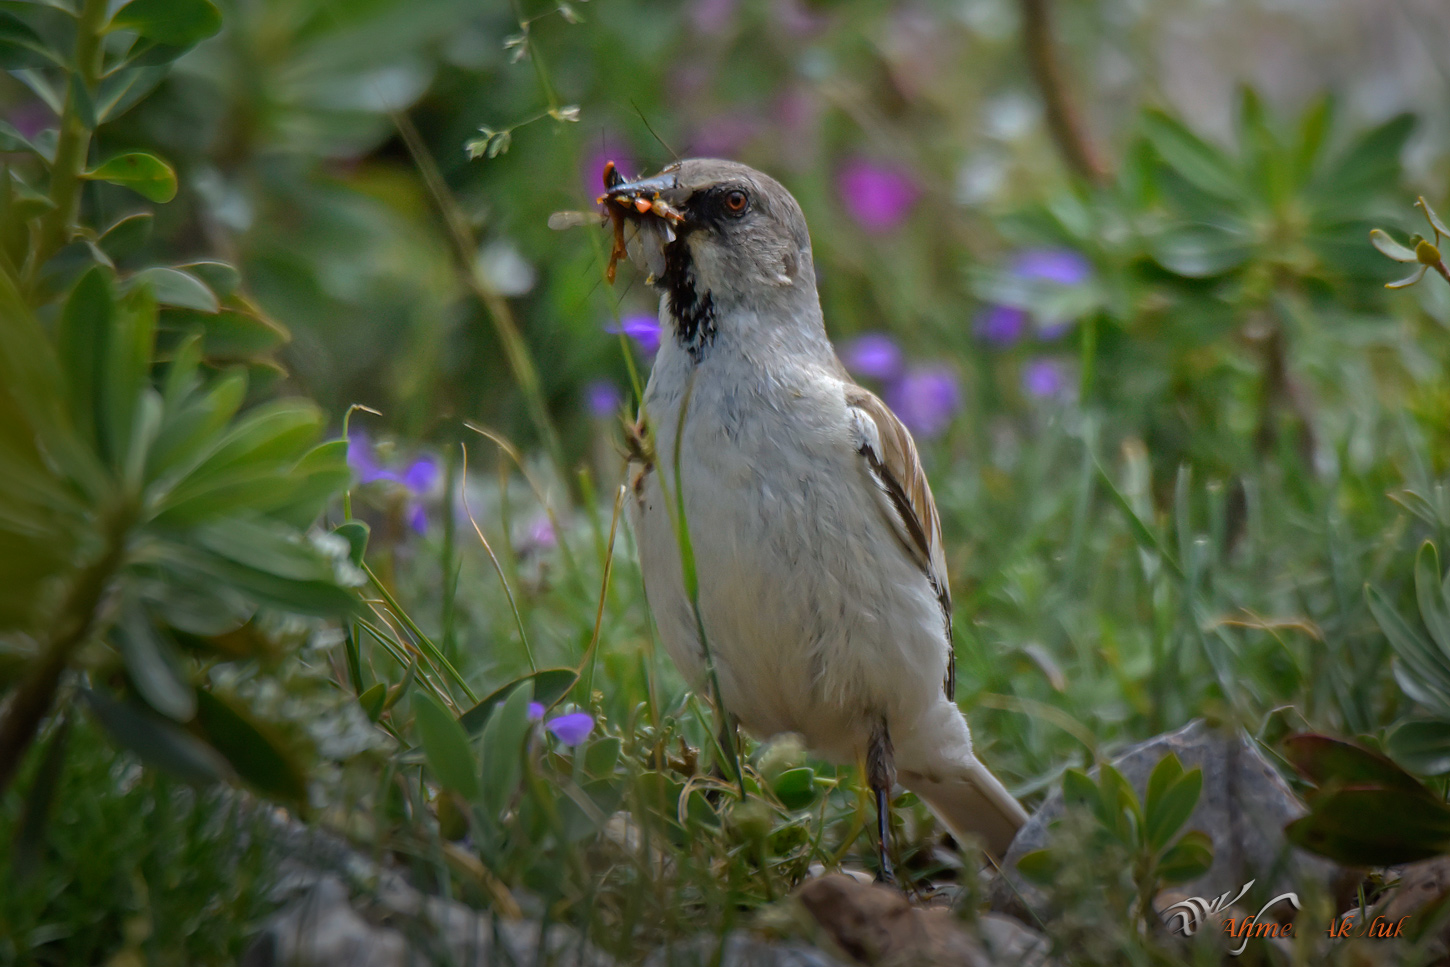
(741, 950)
(1244, 807)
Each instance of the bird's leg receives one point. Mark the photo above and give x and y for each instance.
(881, 776)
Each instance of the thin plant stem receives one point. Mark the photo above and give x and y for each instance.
(346, 421)
(498, 568)
(73, 143)
(515, 348)
(591, 654)
(1064, 121)
(425, 644)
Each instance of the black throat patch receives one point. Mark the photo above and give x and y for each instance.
(693, 313)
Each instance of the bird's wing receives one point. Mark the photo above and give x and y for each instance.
(895, 467)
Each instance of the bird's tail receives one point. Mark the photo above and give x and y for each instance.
(972, 803)
(935, 760)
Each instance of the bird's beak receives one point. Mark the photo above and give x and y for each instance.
(653, 212)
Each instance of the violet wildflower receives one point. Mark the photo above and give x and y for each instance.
(539, 536)
(536, 711)
(712, 16)
(643, 328)
(571, 729)
(926, 398)
(592, 173)
(1044, 378)
(416, 482)
(1000, 325)
(1060, 265)
(878, 197)
(602, 399)
(875, 355)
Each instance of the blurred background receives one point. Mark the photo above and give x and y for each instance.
(1108, 259)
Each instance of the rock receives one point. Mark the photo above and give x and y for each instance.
(1244, 807)
(741, 950)
(876, 925)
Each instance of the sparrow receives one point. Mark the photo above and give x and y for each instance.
(823, 596)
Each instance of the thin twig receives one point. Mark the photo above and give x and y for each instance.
(508, 591)
(1064, 121)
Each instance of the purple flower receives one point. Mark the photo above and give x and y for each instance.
(539, 537)
(571, 729)
(30, 118)
(875, 355)
(592, 173)
(926, 398)
(724, 135)
(643, 328)
(420, 475)
(1044, 378)
(712, 16)
(602, 399)
(536, 711)
(1000, 325)
(418, 518)
(878, 197)
(1060, 265)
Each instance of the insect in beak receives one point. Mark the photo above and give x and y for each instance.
(623, 200)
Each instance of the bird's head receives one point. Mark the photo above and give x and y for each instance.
(716, 235)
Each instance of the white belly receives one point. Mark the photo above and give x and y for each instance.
(817, 619)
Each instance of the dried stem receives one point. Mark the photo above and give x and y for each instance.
(1064, 121)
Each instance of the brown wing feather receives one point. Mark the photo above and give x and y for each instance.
(896, 466)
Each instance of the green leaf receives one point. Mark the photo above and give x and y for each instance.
(1432, 217)
(1421, 745)
(83, 345)
(265, 546)
(126, 374)
(502, 749)
(549, 686)
(445, 745)
(602, 755)
(143, 173)
(1430, 595)
(220, 277)
(172, 287)
(1195, 160)
(259, 757)
(1168, 771)
(1174, 808)
(1369, 166)
(21, 47)
(160, 743)
(1373, 827)
(1078, 788)
(1039, 866)
(1389, 247)
(355, 532)
(1420, 656)
(796, 788)
(1200, 251)
(1408, 280)
(1313, 126)
(12, 140)
(189, 432)
(179, 23)
(82, 103)
(1327, 760)
(30, 839)
(126, 235)
(153, 665)
(1190, 858)
(372, 700)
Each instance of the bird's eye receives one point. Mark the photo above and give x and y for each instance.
(736, 202)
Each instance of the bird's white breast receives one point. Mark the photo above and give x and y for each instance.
(817, 618)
